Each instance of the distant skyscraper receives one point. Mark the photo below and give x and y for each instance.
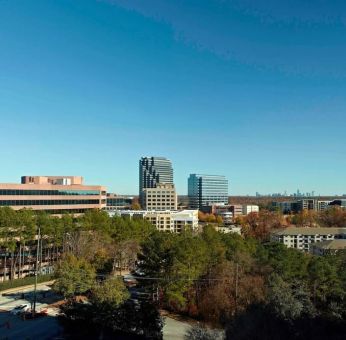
(152, 172)
(207, 189)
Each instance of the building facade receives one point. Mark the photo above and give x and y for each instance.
(247, 209)
(167, 221)
(154, 172)
(53, 194)
(329, 247)
(115, 202)
(161, 198)
(204, 190)
(303, 238)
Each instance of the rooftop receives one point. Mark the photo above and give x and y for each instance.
(332, 244)
(310, 231)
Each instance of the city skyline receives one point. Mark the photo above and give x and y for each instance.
(250, 90)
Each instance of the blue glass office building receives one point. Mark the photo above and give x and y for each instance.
(207, 189)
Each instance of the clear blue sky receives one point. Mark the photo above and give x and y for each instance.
(254, 90)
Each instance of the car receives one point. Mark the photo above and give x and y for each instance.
(20, 309)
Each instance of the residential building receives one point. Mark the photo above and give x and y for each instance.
(306, 204)
(153, 173)
(168, 221)
(53, 194)
(163, 197)
(206, 190)
(247, 209)
(323, 205)
(331, 247)
(303, 204)
(303, 238)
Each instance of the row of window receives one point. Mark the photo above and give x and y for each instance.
(46, 202)
(8, 192)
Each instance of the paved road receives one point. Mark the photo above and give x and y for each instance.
(174, 330)
(13, 327)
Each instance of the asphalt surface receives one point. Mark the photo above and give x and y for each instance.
(15, 327)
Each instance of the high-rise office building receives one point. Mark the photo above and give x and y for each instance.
(153, 173)
(207, 189)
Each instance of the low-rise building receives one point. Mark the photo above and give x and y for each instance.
(303, 238)
(169, 221)
(247, 209)
(331, 247)
(53, 194)
(323, 205)
(115, 202)
(237, 210)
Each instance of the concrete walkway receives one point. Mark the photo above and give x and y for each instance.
(174, 330)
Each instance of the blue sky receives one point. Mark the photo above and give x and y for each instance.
(254, 90)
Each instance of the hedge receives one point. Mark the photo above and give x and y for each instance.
(26, 281)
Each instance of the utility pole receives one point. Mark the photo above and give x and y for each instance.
(36, 270)
(236, 288)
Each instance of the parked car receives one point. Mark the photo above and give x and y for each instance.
(20, 309)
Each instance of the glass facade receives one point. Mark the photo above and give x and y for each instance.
(10, 192)
(46, 202)
(154, 170)
(118, 201)
(206, 190)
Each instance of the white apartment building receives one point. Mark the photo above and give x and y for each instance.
(168, 221)
(323, 205)
(161, 198)
(247, 209)
(304, 238)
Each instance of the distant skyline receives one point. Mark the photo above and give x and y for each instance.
(253, 90)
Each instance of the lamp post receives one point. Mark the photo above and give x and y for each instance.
(36, 270)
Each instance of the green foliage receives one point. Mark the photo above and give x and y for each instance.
(73, 276)
(289, 301)
(111, 292)
(287, 262)
(127, 321)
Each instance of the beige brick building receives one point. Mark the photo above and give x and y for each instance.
(161, 198)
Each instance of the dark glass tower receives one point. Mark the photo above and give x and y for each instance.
(154, 170)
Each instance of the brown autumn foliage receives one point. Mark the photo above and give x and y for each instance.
(204, 217)
(333, 217)
(259, 225)
(229, 290)
(305, 218)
